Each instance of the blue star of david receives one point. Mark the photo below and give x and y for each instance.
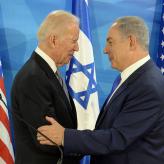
(83, 96)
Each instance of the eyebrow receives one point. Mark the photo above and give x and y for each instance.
(109, 39)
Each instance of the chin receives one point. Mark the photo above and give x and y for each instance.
(67, 62)
(113, 66)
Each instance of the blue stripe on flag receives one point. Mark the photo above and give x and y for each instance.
(80, 9)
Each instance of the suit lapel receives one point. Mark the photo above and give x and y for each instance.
(50, 74)
(112, 100)
(131, 79)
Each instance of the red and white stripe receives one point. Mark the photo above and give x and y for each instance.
(6, 148)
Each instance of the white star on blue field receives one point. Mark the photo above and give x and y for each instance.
(88, 70)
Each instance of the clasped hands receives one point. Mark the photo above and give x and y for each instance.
(54, 131)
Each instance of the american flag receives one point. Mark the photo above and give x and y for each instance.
(6, 148)
(160, 56)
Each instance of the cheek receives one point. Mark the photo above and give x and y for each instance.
(71, 47)
(116, 54)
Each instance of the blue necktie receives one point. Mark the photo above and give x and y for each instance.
(114, 86)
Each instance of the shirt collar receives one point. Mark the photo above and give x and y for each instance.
(47, 59)
(128, 71)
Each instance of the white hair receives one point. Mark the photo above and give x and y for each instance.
(56, 22)
(133, 25)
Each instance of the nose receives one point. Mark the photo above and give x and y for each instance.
(76, 48)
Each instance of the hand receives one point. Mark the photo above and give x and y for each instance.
(54, 131)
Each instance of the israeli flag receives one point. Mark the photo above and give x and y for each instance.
(81, 76)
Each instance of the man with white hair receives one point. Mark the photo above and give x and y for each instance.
(38, 90)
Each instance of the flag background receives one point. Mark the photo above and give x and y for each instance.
(81, 75)
(157, 37)
(19, 21)
(6, 148)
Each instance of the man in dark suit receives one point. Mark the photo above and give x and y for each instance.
(38, 90)
(130, 127)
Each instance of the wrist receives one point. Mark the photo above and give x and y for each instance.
(62, 142)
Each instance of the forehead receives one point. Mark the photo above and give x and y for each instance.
(113, 32)
(73, 30)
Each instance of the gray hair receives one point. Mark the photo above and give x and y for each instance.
(57, 22)
(133, 25)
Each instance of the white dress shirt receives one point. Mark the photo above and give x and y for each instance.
(47, 59)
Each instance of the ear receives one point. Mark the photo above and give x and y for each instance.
(132, 42)
(52, 40)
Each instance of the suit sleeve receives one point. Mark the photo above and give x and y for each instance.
(35, 102)
(137, 117)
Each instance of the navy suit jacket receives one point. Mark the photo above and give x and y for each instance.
(130, 128)
(36, 92)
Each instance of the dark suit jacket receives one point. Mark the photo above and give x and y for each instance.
(36, 92)
(130, 129)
